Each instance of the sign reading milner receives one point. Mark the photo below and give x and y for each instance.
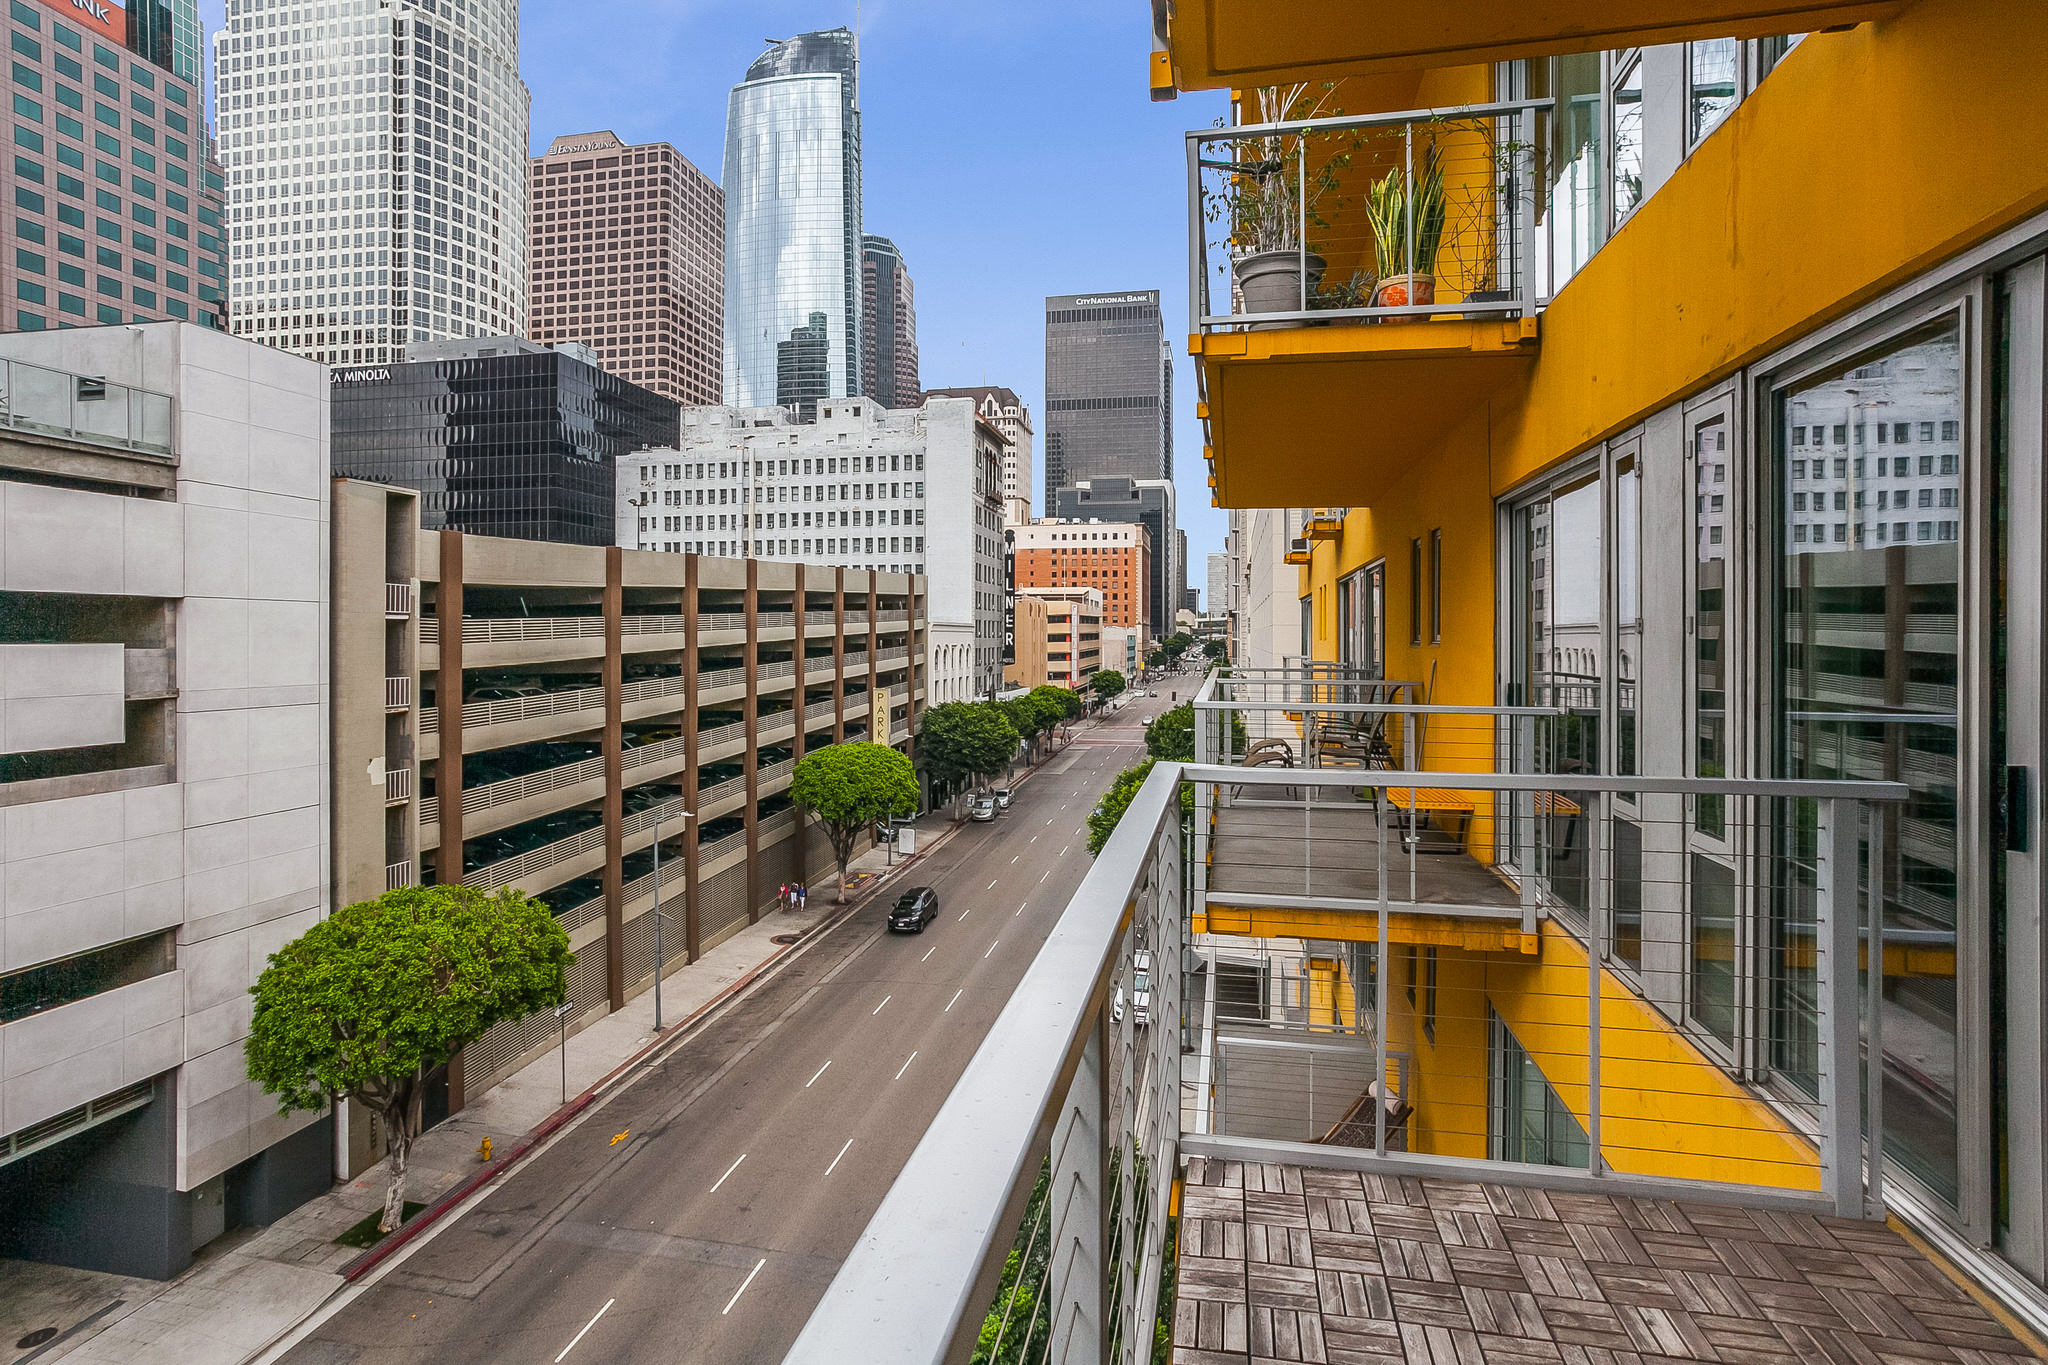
(108, 20)
(585, 142)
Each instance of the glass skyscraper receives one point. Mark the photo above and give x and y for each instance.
(793, 220)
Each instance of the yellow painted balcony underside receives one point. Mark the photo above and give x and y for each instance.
(1348, 926)
(1219, 44)
(1306, 415)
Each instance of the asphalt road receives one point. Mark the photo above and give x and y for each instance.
(699, 1214)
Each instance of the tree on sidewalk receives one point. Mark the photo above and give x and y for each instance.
(849, 787)
(366, 1003)
(1063, 704)
(1172, 735)
(1217, 650)
(1102, 821)
(1106, 684)
(961, 740)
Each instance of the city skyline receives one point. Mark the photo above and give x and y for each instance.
(976, 325)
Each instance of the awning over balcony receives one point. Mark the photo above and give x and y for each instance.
(1309, 415)
(1222, 44)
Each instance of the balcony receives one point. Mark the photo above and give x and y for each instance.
(1385, 265)
(398, 601)
(1221, 44)
(1324, 523)
(1400, 1144)
(398, 874)
(398, 692)
(83, 408)
(397, 784)
(1299, 551)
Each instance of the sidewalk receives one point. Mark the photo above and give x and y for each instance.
(247, 1288)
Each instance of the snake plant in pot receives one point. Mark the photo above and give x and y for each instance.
(1407, 214)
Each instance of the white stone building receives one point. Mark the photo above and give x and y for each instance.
(376, 162)
(1002, 409)
(1266, 607)
(861, 487)
(163, 782)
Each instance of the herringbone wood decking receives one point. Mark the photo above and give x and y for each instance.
(1286, 1263)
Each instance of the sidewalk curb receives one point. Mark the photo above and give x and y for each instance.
(553, 1124)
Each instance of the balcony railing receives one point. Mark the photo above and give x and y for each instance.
(398, 600)
(83, 408)
(398, 692)
(1540, 1064)
(1058, 1141)
(398, 783)
(397, 874)
(1366, 219)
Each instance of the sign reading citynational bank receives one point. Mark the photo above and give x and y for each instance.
(1150, 296)
(585, 142)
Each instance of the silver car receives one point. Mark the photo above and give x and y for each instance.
(983, 809)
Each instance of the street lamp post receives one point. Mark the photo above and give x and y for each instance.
(658, 916)
(562, 1012)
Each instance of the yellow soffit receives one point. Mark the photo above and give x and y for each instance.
(1221, 44)
(1285, 406)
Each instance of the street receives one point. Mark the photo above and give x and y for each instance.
(700, 1212)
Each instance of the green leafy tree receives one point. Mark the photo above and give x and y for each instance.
(847, 788)
(1067, 703)
(1218, 650)
(1102, 821)
(1157, 659)
(1033, 717)
(966, 740)
(368, 1001)
(1172, 735)
(1106, 684)
(1176, 644)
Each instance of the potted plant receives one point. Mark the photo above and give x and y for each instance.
(1272, 196)
(1400, 204)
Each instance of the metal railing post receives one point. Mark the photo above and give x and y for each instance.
(1835, 948)
(1379, 1008)
(1527, 293)
(1600, 922)
(1075, 1194)
(1873, 1026)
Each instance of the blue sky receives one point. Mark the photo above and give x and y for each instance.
(1010, 150)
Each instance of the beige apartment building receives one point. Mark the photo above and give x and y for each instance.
(1073, 633)
(604, 692)
(1028, 626)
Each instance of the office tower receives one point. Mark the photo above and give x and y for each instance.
(627, 255)
(500, 436)
(792, 215)
(117, 217)
(860, 487)
(165, 508)
(1114, 557)
(1007, 413)
(1153, 503)
(1108, 389)
(1216, 602)
(888, 321)
(376, 174)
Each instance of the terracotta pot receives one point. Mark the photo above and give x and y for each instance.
(1270, 282)
(1401, 291)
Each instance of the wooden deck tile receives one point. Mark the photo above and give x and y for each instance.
(1284, 1264)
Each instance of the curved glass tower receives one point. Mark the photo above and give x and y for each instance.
(792, 222)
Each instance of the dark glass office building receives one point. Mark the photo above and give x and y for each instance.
(1108, 389)
(500, 437)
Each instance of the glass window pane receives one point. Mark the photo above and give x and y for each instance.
(1571, 216)
(1628, 138)
(1867, 636)
(1712, 83)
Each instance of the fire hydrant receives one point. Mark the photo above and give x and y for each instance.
(483, 1152)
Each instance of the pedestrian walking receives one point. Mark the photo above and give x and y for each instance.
(803, 895)
(782, 897)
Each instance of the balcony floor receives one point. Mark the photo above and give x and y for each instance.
(1291, 1263)
(1259, 851)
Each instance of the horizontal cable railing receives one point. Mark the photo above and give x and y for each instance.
(1573, 986)
(1382, 218)
(1035, 1209)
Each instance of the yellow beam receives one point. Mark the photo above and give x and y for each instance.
(1219, 44)
(1350, 926)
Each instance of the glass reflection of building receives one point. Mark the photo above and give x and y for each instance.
(803, 369)
(1870, 576)
(500, 437)
(793, 216)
